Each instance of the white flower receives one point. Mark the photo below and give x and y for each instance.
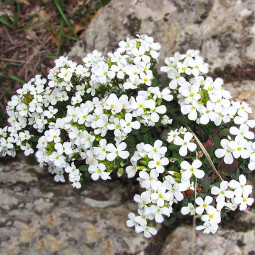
(112, 103)
(222, 192)
(231, 205)
(173, 135)
(115, 126)
(226, 152)
(149, 180)
(24, 135)
(213, 216)
(183, 68)
(241, 132)
(117, 152)
(76, 182)
(166, 120)
(207, 113)
(244, 109)
(156, 150)
(64, 148)
(100, 151)
(58, 160)
(185, 143)
(98, 171)
(72, 170)
(203, 204)
(141, 219)
(160, 196)
(188, 170)
(143, 199)
(131, 171)
(50, 112)
(27, 149)
(59, 176)
(239, 148)
(158, 212)
(208, 228)
(243, 120)
(240, 187)
(174, 188)
(148, 231)
(155, 111)
(158, 163)
(188, 209)
(131, 222)
(191, 110)
(127, 125)
(65, 74)
(244, 201)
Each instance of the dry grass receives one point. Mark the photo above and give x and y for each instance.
(33, 33)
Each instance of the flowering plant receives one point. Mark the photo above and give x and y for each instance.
(114, 115)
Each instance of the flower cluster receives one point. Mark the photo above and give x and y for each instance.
(111, 115)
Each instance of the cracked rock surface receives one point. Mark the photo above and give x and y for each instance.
(223, 30)
(39, 216)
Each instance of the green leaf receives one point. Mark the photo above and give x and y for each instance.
(170, 221)
(131, 144)
(147, 138)
(58, 5)
(6, 23)
(15, 78)
(224, 132)
(206, 183)
(84, 168)
(216, 140)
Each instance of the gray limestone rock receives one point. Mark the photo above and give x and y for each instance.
(39, 216)
(223, 30)
(227, 242)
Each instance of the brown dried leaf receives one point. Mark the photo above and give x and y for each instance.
(30, 34)
(78, 27)
(25, 2)
(54, 40)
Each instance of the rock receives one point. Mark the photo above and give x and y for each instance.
(39, 216)
(243, 91)
(223, 30)
(227, 242)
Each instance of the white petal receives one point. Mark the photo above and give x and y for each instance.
(124, 154)
(228, 159)
(199, 210)
(185, 210)
(208, 200)
(242, 179)
(185, 165)
(199, 173)
(183, 151)
(196, 163)
(224, 185)
(111, 156)
(188, 136)
(199, 201)
(215, 190)
(192, 146)
(161, 109)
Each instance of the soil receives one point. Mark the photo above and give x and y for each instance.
(30, 38)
